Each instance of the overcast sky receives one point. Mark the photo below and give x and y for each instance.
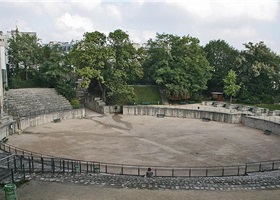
(235, 21)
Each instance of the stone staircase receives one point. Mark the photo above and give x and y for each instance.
(34, 101)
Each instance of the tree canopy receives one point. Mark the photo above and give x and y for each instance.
(112, 61)
(178, 64)
(230, 86)
(23, 56)
(222, 58)
(34, 65)
(258, 71)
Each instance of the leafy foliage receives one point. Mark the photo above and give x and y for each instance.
(178, 64)
(230, 86)
(75, 103)
(258, 72)
(34, 65)
(222, 58)
(23, 53)
(111, 60)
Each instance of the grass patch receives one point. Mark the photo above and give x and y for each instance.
(147, 94)
(269, 106)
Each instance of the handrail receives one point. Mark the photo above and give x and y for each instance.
(6, 157)
(112, 168)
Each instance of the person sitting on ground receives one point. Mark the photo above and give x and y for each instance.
(149, 173)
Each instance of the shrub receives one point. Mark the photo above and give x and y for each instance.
(75, 103)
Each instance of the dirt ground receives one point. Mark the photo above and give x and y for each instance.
(149, 140)
(38, 190)
(144, 140)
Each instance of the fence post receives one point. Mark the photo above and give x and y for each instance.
(238, 171)
(273, 165)
(106, 168)
(15, 164)
(122, 170)
(23, 168)
(53, 165)
(260, 167)
(80, 165)
(32, 163)
(12, 175)
(190, 172)
(138, 171)
(8, 162)
(63, 165)
(20, 162)
(29, 165)
(172, 172)
(72, 165)
(246, 169)
(42, 163)
(223, 172)
(206, 172)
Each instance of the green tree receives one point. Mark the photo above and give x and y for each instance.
(123, 66)
(54, 66)
(89, 57)
(24, 55)
(112, 61)
(230, 86)
(56, 72)
(178, 64)
(222, 58)
(258, 72)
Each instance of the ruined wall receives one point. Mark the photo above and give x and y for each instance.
(262, 124)
(94, 103)
(232, 118)
(47, 118)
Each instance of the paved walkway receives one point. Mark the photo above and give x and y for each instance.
(259, 186)
(257, 181)
(40, 190)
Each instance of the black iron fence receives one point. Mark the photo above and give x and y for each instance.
(24, 161)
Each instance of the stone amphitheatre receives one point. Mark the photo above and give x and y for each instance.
(164, 137)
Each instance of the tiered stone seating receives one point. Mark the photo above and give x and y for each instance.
(34, 101)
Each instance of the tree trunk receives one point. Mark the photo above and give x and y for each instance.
(103, 90)
(104, 94)
(26, 72)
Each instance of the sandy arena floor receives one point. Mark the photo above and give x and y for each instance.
(150, 141)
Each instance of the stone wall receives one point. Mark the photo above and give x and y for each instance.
(94, 103)
(7, 126)
(232, 118)
(262, 124)
(97, 105)
(50, 117)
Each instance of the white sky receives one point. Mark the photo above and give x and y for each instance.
(235, 21)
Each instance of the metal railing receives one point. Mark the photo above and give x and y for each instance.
(31, 162)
